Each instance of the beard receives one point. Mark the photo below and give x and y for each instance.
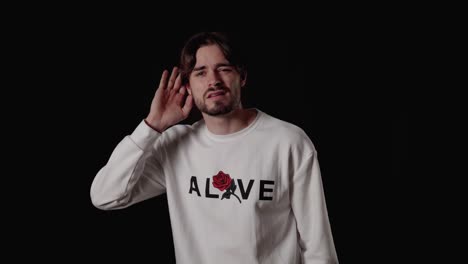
(219, 107)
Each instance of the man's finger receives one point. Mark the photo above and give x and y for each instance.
(178, 96)
(177, 83)
(188, 105)
(182, 90)
(163, 81)
(174, 75)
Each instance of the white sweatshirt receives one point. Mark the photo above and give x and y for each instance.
(254, 196)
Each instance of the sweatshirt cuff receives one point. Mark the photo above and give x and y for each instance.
(144, 136)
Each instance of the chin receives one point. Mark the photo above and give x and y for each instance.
(219, 110)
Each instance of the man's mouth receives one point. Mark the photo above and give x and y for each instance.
(215, 94)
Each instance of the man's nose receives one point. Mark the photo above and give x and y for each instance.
(213, 79)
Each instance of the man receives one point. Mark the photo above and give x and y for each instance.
(242, 186)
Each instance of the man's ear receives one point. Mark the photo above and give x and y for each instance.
(189, 89)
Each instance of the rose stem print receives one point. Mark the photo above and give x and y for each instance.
(223, 181)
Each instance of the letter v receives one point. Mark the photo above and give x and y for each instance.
(245, 193)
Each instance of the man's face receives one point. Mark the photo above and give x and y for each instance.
(215, 83)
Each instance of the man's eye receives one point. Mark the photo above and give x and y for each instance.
(226, 69)
(200, 73)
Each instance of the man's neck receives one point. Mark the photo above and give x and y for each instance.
(230, 123)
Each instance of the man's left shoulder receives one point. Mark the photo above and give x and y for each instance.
(286, 130)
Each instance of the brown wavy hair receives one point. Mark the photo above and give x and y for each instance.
(222, 39)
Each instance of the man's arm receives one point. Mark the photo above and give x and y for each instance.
(309, 207)
(134, 171)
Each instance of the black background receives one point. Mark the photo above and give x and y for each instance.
(91, 84)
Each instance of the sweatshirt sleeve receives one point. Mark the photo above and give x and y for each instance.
(309, 208)
(133, 172)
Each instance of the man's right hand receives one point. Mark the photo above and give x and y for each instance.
(168, 107)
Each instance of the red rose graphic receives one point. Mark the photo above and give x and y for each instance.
(222, 181)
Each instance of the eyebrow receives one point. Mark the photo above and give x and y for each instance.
(217, 65)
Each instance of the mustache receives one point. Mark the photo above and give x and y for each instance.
(224, 89)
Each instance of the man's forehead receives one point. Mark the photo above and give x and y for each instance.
(209, 51)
